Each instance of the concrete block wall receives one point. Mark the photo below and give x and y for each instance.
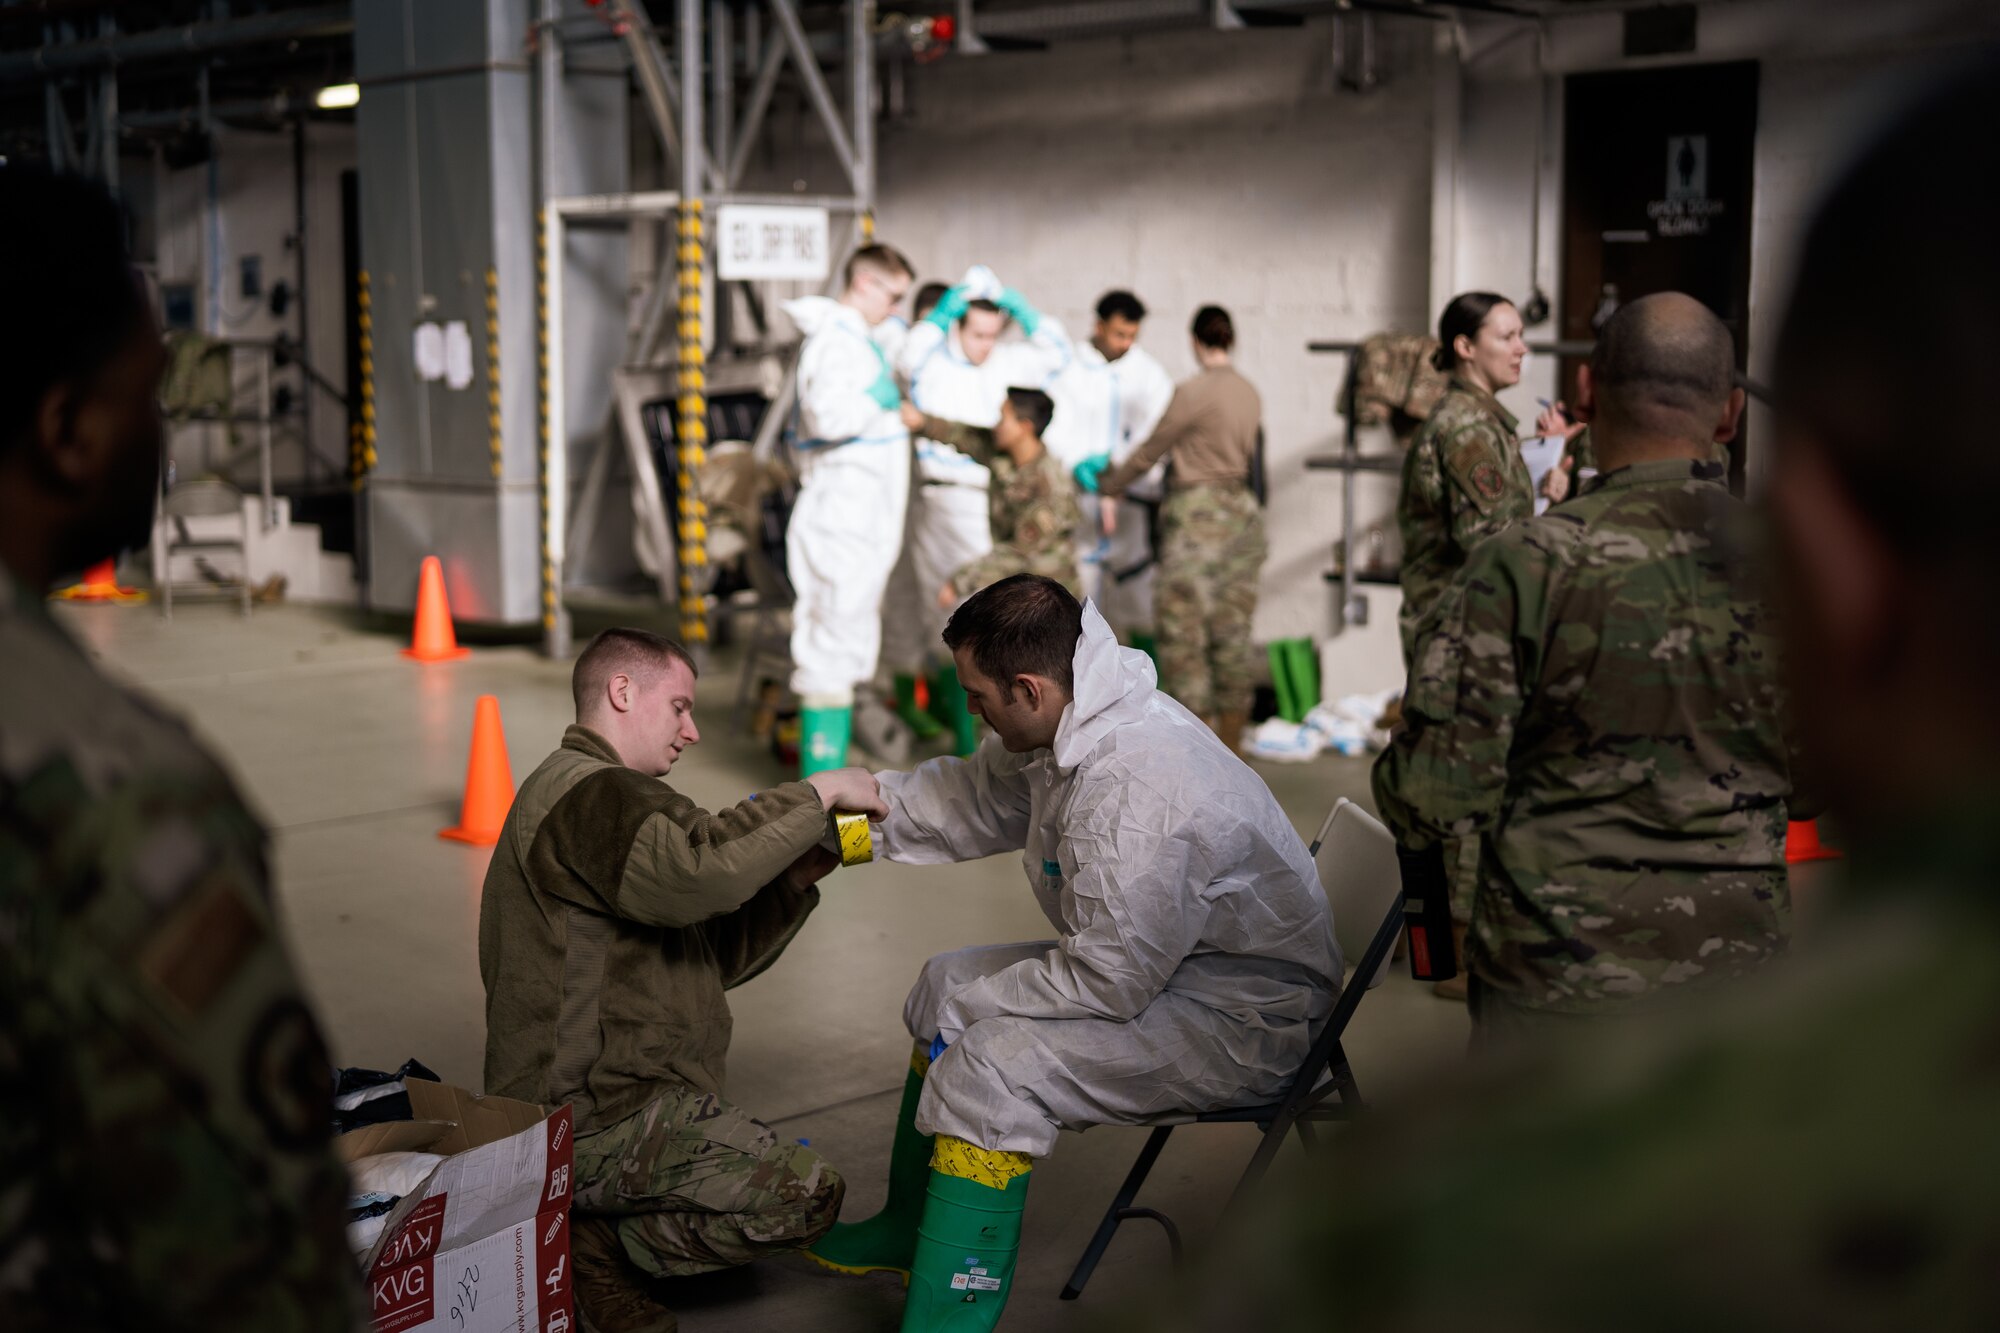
(1192, 167)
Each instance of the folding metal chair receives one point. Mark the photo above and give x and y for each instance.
(1356, 858)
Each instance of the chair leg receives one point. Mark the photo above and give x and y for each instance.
(1260, 1162)
(1306, 1135)
(1120, 1208)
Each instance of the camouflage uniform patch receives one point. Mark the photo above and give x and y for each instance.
(697, 1185)
(1597, 703)
(1211, 553)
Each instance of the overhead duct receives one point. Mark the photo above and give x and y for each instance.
(88, 54)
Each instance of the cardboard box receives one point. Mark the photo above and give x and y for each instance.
(483, 1244)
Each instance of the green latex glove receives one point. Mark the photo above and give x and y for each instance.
(1089, 470)
(949, 309)
(1024, 314)
(885, 393)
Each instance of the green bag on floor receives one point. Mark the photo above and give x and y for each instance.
(1295, 677)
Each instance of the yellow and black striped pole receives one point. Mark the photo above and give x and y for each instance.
(693, 421)
(361, 435)
(548, 425)
(493, 366)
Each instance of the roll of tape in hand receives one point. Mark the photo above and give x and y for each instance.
(857, 846)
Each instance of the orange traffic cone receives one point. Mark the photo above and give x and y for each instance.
(1802, 843)
(432, 639)
(489, 780)
(100, 584)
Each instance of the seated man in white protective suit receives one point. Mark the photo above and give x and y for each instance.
(1195, 961)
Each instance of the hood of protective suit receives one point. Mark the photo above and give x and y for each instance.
(1111, 684)
(813, 313)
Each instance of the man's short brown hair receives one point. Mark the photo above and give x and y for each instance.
(878, 258)
(622, 650)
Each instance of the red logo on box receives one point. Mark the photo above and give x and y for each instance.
(400, 1290)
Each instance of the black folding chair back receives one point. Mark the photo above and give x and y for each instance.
(1357, 861)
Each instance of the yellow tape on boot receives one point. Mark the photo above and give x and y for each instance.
(920, 1059)
(857, 846)
(991, 1167)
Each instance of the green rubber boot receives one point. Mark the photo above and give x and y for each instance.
(948, 702)
(1149, 644)
(888, 1240)
(969, 1240)
(916, 719)
(823, 736)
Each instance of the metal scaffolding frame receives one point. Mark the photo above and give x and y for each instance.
(695, 114)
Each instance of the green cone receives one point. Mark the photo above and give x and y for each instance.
(888, 1240)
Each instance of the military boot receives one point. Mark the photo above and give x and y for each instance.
(610, 1292)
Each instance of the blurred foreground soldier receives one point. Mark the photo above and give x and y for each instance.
(165, 1098)
(1816, 1152)
(1596, 702)
(615, 914)
(1195, 952)
(1033, 503)
(1211, 530)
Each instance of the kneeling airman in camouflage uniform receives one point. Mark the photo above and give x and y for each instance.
(614, 916)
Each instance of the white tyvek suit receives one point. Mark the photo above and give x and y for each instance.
(1197, 956)
(949, 523)
(854, 481)
(1111, 407)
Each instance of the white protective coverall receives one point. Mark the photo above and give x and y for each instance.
(1111, 407)
(854, 481)
(949, 524)
(1196, 958)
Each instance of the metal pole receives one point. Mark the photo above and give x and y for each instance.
(822, 98)
(693, 399)
(753, 112)
(264, 436)
(107, 113)
(721, 69)
(209, 35)
(549, 312)
(722, 115)
(861, 100)
(299, 253)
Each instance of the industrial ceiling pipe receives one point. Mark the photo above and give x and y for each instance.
(94, 53)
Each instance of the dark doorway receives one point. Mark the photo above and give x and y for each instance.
(1657, 172)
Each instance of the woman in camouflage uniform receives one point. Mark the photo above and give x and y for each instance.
(1463, 478)
(1212, 531)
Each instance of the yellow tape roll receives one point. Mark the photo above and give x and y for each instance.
(857, 846)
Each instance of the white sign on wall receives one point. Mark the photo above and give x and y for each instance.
(765, 242)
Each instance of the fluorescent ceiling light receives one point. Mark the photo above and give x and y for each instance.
(339, 95)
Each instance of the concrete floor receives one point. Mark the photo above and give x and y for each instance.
(355, 758)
